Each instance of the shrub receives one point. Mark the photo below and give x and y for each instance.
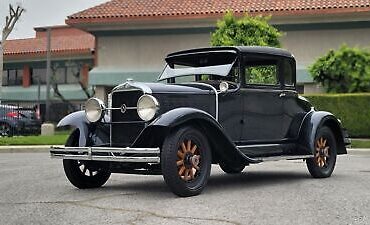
(346, 70)
(247, 30)
(352, 109)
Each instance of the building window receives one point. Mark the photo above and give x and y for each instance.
(12, 77)
(59, 75)
(38, 74)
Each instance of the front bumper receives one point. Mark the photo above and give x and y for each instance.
(135, 155)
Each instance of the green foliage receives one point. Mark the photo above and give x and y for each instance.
(245, 31)
(261, 75)
(346, 70)
(352, 109)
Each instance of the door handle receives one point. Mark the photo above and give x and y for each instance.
(282, 95)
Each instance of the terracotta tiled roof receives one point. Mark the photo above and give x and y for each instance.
(60, 44)
(115, 10)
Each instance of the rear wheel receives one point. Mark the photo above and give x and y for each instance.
(85, 174)
(186, 161)
(325, 156)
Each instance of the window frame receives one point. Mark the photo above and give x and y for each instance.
(242, 75)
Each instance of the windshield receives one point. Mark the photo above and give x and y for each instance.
(204, 64)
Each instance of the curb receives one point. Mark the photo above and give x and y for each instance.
(24, 149)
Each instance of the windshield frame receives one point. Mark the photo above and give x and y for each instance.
(221, 70)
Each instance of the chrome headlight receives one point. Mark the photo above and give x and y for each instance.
(147, 107)
(94, 110)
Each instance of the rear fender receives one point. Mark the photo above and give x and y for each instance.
(312, 122)
(222, 147)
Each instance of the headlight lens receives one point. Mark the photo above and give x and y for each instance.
(147, 107)
(94, 110)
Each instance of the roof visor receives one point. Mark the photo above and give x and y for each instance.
(199, 63)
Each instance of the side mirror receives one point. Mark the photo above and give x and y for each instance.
(224, 87)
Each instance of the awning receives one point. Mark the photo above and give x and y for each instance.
(72, 92)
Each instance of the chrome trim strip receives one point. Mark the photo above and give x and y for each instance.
(216, 94)
(289, 157)
(114, 154)
(128, 108)
(258, 145)
(133, 84)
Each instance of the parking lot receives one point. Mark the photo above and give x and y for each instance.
(34, 190)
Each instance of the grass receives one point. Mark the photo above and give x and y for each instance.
(360, 143)
(59, 138)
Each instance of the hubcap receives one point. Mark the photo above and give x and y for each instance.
(188, 160)
(86, 169)
(322, 152)
(4, 130)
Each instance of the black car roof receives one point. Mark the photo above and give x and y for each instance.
(243, 49)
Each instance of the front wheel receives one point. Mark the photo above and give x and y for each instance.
(186, 161)
(325, 156)
(85, 174)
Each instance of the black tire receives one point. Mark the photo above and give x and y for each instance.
(231, 169)
(6, 130)
(85, 174)
(323, 163)
(191, 176)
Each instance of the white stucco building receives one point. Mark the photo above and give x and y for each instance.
(133, 37)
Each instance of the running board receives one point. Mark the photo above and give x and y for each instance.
(288, 157)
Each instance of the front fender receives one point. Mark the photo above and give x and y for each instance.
(312, 122)
(224, 148)
(77, 120)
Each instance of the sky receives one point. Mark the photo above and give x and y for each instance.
(42, 13)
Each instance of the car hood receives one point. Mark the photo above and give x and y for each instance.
(157, 88)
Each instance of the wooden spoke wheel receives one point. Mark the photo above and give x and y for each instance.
(186, 161)
(325, 154)
(322, 152)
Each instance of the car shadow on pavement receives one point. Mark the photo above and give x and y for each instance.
(216, 182)
(254, 179)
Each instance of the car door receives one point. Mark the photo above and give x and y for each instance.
(263, 112)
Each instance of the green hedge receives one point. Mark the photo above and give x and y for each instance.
(352, 109)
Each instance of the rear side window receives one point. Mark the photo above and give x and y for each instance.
(260, 70)
(288, 73)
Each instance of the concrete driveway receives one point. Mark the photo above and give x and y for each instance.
(34, 190)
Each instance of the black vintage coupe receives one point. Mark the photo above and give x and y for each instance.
(232, 106)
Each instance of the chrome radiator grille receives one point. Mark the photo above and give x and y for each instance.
(125, 125)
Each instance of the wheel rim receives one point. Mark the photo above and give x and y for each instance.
(86, 169)
(188, 161)
(322, 152)
(4, 130)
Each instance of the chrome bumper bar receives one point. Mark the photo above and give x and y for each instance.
(142, 155)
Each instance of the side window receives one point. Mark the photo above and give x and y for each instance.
(288, 73)
(260, 70)
(261, 74)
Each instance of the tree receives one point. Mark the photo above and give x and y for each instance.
(10, 22)
(247, 30)
(346, 70)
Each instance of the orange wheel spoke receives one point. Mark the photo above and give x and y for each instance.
(188, 147)
(183, 147)
(193, 149)
(182, 170)
(180, 162)
(180, 154)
